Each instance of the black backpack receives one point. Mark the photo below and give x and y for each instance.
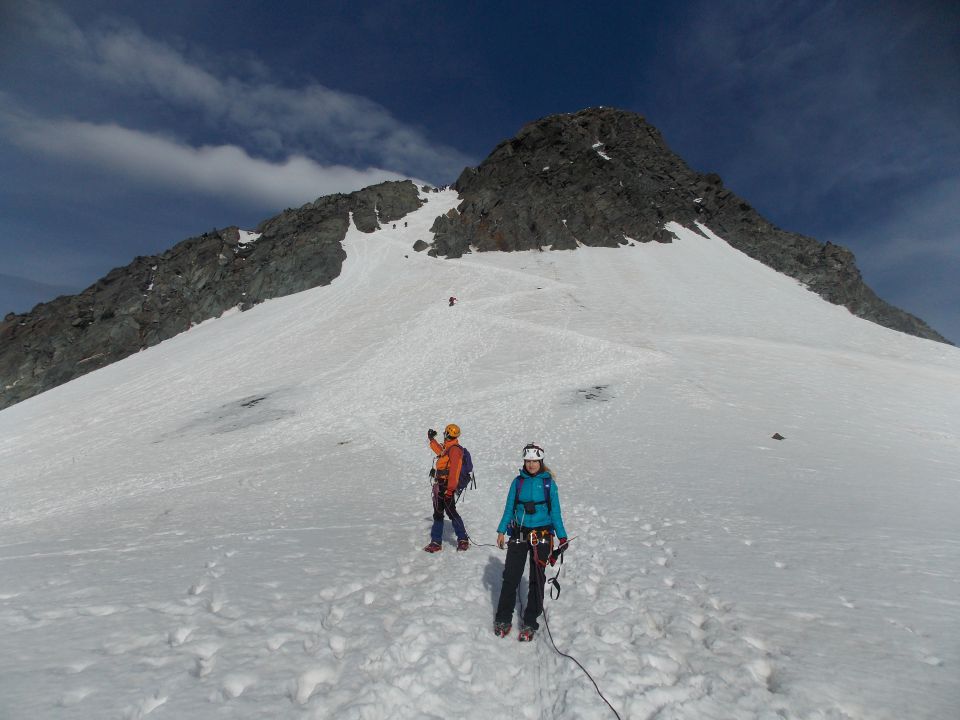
(466, 478)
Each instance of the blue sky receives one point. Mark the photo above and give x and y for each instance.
(125, 128)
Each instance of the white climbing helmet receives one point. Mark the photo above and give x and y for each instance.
(532, 452)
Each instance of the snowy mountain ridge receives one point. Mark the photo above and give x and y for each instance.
(230, 522)
(600, 177)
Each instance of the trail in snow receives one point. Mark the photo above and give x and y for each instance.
(231, 522)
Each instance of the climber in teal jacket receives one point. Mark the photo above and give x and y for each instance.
(532, 491)
(532, 518)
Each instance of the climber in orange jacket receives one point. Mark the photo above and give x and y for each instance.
(446, 477)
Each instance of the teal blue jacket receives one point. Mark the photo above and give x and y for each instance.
(532, 491)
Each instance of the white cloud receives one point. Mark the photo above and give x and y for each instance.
(224, 170)
(268, 119)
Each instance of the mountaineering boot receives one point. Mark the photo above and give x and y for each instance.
(525, 634)
(501, 629)
(463, 544)
(433, 547)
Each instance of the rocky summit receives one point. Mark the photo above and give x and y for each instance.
(599, 177)
(605, 177)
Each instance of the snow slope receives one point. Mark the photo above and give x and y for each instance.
(229, 524)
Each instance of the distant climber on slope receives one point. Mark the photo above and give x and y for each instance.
(446, 478)
(452, 301)
(532, 518)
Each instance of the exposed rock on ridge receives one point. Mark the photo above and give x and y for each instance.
(154, 298)
(602, 176)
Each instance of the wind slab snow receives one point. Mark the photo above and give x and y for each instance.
(229, 524)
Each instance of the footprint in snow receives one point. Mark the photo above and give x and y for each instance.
(718, 605)
(130, 643)
(100, 610)
(333, 617)
(275, 642)
(235, 684)
(146, 706)
(75, 696)
(667, 670)
(762, 671)
(202, 667)
(338, 645)
(697, 619)
(460, 658)
(309, 680)
(216, 603)
(179, 636)
(78, 666)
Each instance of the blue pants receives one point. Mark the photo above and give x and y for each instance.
(443, 504)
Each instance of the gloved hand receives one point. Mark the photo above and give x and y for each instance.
(431, 434)
(560, 549)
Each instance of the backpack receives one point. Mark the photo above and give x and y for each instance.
(466, 473)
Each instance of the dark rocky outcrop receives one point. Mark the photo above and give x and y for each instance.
(600, 176)
(154, 298)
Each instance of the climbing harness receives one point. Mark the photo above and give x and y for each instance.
(538, 537)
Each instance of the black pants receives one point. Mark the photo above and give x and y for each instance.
(517, 554)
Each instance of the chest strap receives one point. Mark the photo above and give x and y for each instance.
(547, 482)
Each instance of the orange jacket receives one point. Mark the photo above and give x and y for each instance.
(448, 464)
